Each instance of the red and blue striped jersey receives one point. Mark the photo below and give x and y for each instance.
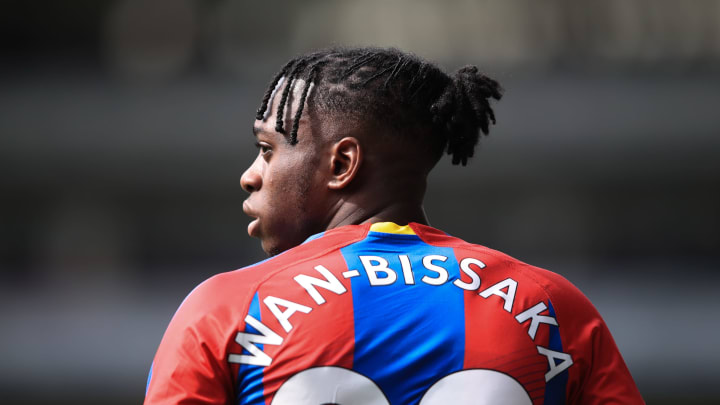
(388, 314)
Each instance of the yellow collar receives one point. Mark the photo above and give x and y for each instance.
(391, 227)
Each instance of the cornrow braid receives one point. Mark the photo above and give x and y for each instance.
(266, 99)
(359, 62)
(401, 92)
(288, 86)
(296, 121)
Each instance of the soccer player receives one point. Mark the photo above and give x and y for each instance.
(362, 302)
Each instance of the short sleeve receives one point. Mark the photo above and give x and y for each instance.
(189, 366)
(599, 375)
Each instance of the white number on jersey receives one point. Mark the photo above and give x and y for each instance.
(336, 385)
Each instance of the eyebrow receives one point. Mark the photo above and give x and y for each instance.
(258, 130)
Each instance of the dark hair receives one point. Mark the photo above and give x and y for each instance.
(399, 90)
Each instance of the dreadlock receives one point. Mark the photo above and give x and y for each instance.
(407, 94)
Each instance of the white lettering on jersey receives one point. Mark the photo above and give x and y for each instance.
(442, 273)
(534, 314)
(350, 273)
(380, 266)
(248, 340)
(407, 270)
(497, 289)
(284, 316)
(555, 368)
(465, 267)
(330, 283)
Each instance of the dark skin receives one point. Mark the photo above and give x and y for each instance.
(340, 172)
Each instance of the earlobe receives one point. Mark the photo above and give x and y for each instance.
(344, 162)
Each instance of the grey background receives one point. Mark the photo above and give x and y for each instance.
(125, 125)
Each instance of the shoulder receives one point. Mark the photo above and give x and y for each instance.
(497, 264)
(536, 284)
(235, 289)
(220, 298)
(529, 284)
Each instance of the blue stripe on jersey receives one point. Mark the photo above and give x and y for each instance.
(147, 385)
(401, 328)
(250, 377)
(555, 388)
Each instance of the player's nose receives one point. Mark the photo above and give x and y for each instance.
(251, 180)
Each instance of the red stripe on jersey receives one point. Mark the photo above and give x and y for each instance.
(489, 328)
(330, 323)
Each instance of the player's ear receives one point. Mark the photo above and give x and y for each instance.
(345, 159)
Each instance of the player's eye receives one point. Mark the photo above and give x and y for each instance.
(264, 149)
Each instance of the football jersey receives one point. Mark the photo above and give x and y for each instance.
(386, 314)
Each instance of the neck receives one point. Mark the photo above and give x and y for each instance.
(393, 195)
(401, 213)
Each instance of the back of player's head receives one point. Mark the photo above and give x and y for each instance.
(404, 95)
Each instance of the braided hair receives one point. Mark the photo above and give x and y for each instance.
(410, 96)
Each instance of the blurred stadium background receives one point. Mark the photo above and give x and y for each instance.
(125, 125)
